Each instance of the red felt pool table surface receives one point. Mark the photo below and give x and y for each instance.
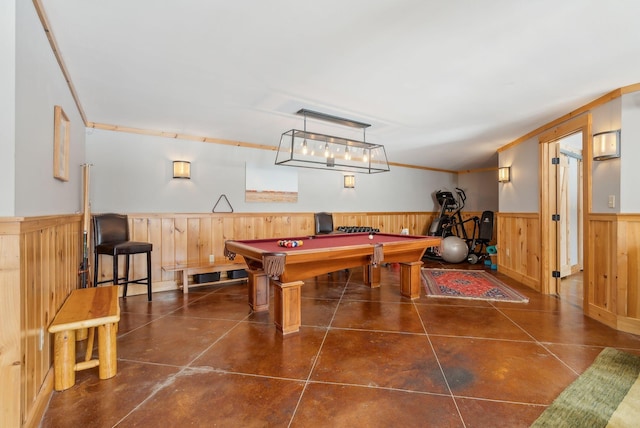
(286, 267)
(329, 241)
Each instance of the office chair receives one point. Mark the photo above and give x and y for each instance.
(111, 237)
(324, 223)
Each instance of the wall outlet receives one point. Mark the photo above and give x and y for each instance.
(507, 252)
(212, 258)
(612, 201)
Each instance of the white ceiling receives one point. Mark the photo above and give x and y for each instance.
(443, 83)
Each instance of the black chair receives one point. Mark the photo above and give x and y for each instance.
(324, 223)
(111, 237)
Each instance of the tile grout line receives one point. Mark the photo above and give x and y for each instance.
(170, 380)
(317, 357)
(446, 381)
(160, 316)
(536, 341)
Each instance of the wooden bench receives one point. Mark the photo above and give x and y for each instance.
(193, 268)
(85, 308)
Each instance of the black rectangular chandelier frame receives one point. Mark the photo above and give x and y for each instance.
(303, 149)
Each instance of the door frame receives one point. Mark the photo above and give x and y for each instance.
(549, 255)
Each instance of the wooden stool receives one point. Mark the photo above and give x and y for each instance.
(86, 308)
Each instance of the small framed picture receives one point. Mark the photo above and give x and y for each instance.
(61, 136)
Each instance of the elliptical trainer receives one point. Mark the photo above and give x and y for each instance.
(457, 245)
(449, 225)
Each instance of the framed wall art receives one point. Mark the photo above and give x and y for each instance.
(270, 184)
(61, 134)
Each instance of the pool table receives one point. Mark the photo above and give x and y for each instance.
(286, 267)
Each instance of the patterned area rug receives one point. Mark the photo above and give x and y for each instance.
(469, 284)
(607, 394)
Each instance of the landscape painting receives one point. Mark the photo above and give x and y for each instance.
(271, 184)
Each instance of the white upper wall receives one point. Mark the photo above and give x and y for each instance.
(630, 153)
(605, 177)
(481, 189)
(521, 194)
(7, 106)
(39, 86)
(133, 173)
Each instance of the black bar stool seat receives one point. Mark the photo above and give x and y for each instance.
(111, 236)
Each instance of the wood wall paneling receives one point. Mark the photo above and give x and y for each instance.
(39, 264)
(10, 330)
(518, 245)
(631, 235)
(627, 257)
(182, 238)
(613, 263)
(602, 275)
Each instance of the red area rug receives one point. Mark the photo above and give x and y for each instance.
(469, 284)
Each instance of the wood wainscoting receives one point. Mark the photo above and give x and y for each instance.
(39, 264)
(192, 238)
(519, 247)
(612, 263)
(612, 294)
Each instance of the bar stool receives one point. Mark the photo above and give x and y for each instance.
(111, 237)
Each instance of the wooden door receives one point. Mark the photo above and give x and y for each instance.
(550, 254)
(564, 224)
(549, 191)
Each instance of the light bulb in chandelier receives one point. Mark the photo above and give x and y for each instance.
(304, 147)
(326, 150)
(365, 158)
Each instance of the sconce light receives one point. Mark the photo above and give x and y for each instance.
(606, 145)
(349, 181)
(181, 169)
(504, 174)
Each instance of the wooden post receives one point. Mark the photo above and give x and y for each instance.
(286, 302)
(64, 360)
(371, 275)
(107, 354)
(258, 290)
(410, 279)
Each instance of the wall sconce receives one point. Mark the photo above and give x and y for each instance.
(504, 174)
(606, 145)
(181, 169)
(349, 181)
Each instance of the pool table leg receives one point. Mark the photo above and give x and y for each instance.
(410, 279)
(258, 290)
(371, 275)
(286, 306)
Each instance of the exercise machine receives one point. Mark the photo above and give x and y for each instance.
(478, 244)
(457, 244)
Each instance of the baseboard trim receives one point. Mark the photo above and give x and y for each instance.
(41, 402)
(526, 280)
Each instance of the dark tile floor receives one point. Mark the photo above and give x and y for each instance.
(363, 357)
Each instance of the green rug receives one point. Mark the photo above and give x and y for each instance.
(607, 394)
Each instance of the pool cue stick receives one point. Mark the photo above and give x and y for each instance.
(86, 219)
